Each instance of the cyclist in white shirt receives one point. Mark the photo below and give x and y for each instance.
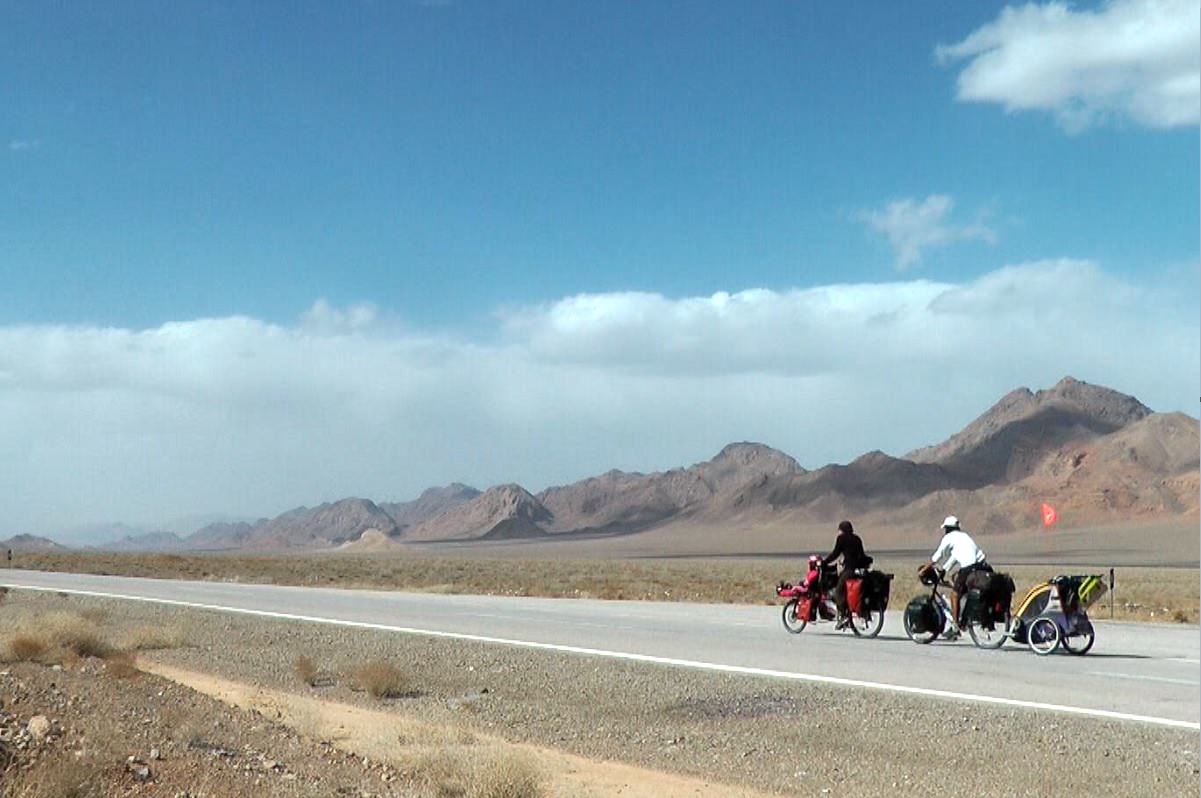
(958, 549)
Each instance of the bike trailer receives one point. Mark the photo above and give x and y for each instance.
(1071, 592)
(1067, 594)
(1090, 588)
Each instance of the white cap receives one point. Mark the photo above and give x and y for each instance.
(950, 522)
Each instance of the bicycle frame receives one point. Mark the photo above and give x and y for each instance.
(944, 606)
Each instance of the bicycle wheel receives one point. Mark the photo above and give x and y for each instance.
(926, 636)
(989, 638)
(1043, 635)
(869, 626)
(793, 622)
(1080, 639)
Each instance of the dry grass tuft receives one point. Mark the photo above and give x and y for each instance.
(121, 665)
(505, 773)
(60, 637)
(380, 679)
(467, 772)
(94, 615)
(74, 633)
(306, 671)
(151, 638)
(439, 772)
(25, 648)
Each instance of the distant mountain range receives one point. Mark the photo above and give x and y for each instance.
(1097, 454)
(22, 544)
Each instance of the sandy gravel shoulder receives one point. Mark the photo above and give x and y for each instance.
(720, 728)
(359, 730)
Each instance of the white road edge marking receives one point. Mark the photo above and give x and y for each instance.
(1185, 660)
(649, 658)
(1190, 682)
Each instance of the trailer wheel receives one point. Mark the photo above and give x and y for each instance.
(1043, 635)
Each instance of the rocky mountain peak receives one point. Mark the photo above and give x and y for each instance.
(513, 501)
(747, 453)
(1047, 414)
(1097, 401)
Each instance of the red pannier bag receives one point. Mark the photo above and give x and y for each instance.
(804, 608)
(855, 595)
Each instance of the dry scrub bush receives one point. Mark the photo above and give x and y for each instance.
(380, 679)
(150, 638)
(306, 671)
(461, 772)
(440, 772)
(120, 665)
(74, 633)
(505, 774)
(57, 638)
(25, 648)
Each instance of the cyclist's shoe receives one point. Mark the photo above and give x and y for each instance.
(951, 634)
(843, 623)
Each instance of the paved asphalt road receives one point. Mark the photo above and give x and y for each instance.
(1134, 669)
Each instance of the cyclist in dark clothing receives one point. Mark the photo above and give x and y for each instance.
(848, 546)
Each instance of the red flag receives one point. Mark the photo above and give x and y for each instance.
(1049, 515)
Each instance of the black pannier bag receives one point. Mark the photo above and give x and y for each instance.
(922, 615)
(974, 609)
(988, 599)
(876, 586)
(998, 595)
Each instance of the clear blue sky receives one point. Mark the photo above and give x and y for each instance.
(255, 255)
(189, 160)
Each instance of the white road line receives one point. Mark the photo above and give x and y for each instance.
(679, 663)
(1191, 682)
(1185, 660)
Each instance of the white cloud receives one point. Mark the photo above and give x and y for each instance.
(324, 317)
(913, 227)
(242, 416)
(21, 145)
(1137, 59)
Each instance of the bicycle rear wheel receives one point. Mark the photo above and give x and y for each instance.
(869, 626)
(986, 638)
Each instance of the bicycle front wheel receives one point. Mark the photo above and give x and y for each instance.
(793, 622)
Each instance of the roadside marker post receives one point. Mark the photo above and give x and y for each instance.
(1111, 593)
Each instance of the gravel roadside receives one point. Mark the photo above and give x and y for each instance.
(81, 732)
(791, 738)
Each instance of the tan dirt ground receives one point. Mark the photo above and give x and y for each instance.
(357, 730)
